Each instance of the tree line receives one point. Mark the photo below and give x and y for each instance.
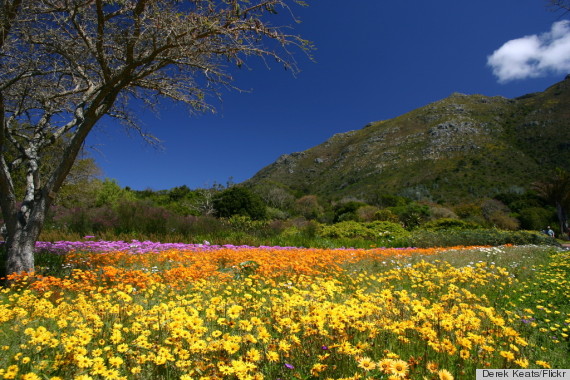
(90, 205)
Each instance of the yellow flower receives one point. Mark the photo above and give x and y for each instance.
(30, 376)
(83, 377)
(83, 361)
(444, 375)
(399, 368)
(487, 348)
(11, 372)
(98, 367)
(136, 370)
(263, 334)
(231, 347)
(122, 347)
(523, 363)
(284, 346)
(543, 364)
(366, 364)
(318, 368)
(245, 325)
(385, 365)
(432, 367)
(273, 356)
(234, 311)
(115, 361)
(112, 374)
(253, 355)
(225, 369)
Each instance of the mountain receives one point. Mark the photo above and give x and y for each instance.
(464, 147)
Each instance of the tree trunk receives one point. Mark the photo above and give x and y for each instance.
(562, 220)
(20, 251)
(23, 230)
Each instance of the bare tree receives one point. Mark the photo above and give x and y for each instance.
(66, 64)
(205, 204)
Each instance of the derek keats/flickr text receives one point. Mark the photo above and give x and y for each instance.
(538, 374)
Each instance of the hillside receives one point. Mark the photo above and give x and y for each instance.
(459, 148)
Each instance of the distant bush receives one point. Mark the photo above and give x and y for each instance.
(276, 214)
(309, 207)
(239, 201)
(468, 211)
(347, 229)
(378, 230)
(450, 224)
(390, 200)
(388, 230)
(497, 214)
(386, 215)
(440, 212)
(83, 221)
(536, 218)
(241, 223)
(412, 214)
(367, 213)
(347, 211)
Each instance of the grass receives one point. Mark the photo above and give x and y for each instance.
(251, 313)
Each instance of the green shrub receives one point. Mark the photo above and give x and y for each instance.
(347, 229)
(308, 207)
(245, 224)
(468, 211)
(367, 213)
(347, 211)
(386, 215)
(536, 218)
(450, 224)
(378, 230)
(412, 215)
(276, 214)
(387, 230)
(239, 201)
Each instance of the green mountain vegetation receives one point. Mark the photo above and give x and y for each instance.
(459, 149)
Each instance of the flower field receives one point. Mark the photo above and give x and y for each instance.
(141, 310)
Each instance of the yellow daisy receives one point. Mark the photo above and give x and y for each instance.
(432, 367)
(366, 364)
(385, 365)
(444, 375)
(399, 368)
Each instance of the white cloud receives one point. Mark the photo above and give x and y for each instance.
(533, 56)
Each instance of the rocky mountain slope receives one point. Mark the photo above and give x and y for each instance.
(459, 148)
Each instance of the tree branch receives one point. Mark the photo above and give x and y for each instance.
(9, 13)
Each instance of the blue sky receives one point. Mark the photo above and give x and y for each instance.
(375, 60)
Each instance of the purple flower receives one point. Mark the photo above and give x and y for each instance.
(290, 366)
(325, 347)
